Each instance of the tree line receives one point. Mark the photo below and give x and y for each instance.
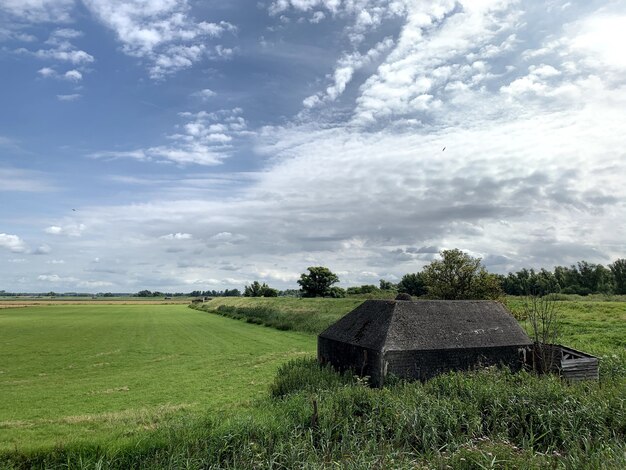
(457, 275)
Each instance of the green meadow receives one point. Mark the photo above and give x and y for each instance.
(232, 384)
(105, 373)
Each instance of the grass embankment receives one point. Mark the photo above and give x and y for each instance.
(594, 326)
(104, 374)
(283, 313)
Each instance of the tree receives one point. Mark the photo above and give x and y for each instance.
(253, 290)
(413, 284)
(144, 293)
(618, 269)
(257, 289)
(542, 314)
(386, 285)
(460, 276)
(318, 282)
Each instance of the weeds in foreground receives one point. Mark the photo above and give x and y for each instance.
(485, 419)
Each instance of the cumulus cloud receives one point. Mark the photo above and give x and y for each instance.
(39, 11)
(71, 75)
(205, 94)
(529, 176)
(70, 230)
(204, 139)
(347, 65)
(161, 32)
(61, 49)
(13, 243)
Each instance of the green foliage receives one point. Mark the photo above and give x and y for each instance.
(413, 284)
(582, 278)
(305, 374)
(387, 285)
(336, 292)
(459, 276)
(618, 269)
(318, 282)
(272, 317)
(259, 290)
(484, 419)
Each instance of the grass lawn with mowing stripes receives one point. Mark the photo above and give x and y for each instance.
(103, 373)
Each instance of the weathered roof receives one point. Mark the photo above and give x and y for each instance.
(392, 325)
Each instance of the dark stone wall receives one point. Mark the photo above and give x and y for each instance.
(423, 365)
(344, 356)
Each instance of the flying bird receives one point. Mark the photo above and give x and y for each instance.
(443, 149)
(73, 210)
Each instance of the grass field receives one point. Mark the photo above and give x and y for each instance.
(144, 386)
(104, 372)
(596, 326)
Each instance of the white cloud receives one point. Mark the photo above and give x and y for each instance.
(13, 243)
(76, 57)
(70, 230)
(42, 250)
(73, 75)
(163, 32)
(205, 94)
(46, 72)
(176, 236)
(39, 11)
(440, 45)
(70, 97)
(94, 284)
(205, 139)
(597, 36)
(346, 67)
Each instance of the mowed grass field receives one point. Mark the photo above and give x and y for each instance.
(106, 373)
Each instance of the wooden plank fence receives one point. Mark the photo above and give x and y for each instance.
(567, 362)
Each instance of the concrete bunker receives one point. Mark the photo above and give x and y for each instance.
(421, 339)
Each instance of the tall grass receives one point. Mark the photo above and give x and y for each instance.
(274, 317)
(485, 419)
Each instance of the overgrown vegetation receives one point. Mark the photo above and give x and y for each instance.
(305, 315)
(317, 418)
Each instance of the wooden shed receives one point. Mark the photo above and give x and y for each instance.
(567, 362)
(418, 340)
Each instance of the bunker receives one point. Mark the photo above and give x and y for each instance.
(421, 339)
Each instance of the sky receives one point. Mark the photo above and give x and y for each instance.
(181, 145)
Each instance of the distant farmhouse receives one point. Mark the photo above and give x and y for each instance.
(418, 340)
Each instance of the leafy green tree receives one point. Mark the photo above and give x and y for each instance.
(257, 289)
(618, 269)
(413, 284)
(460, 276)
(386, 285)
(336, 292)
(253, 290)
(318, 282)
(144, 293)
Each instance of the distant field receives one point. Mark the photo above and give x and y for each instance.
(8, 302)
(101, 373)
(595, 326)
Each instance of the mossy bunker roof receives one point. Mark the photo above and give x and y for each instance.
(385, 325)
